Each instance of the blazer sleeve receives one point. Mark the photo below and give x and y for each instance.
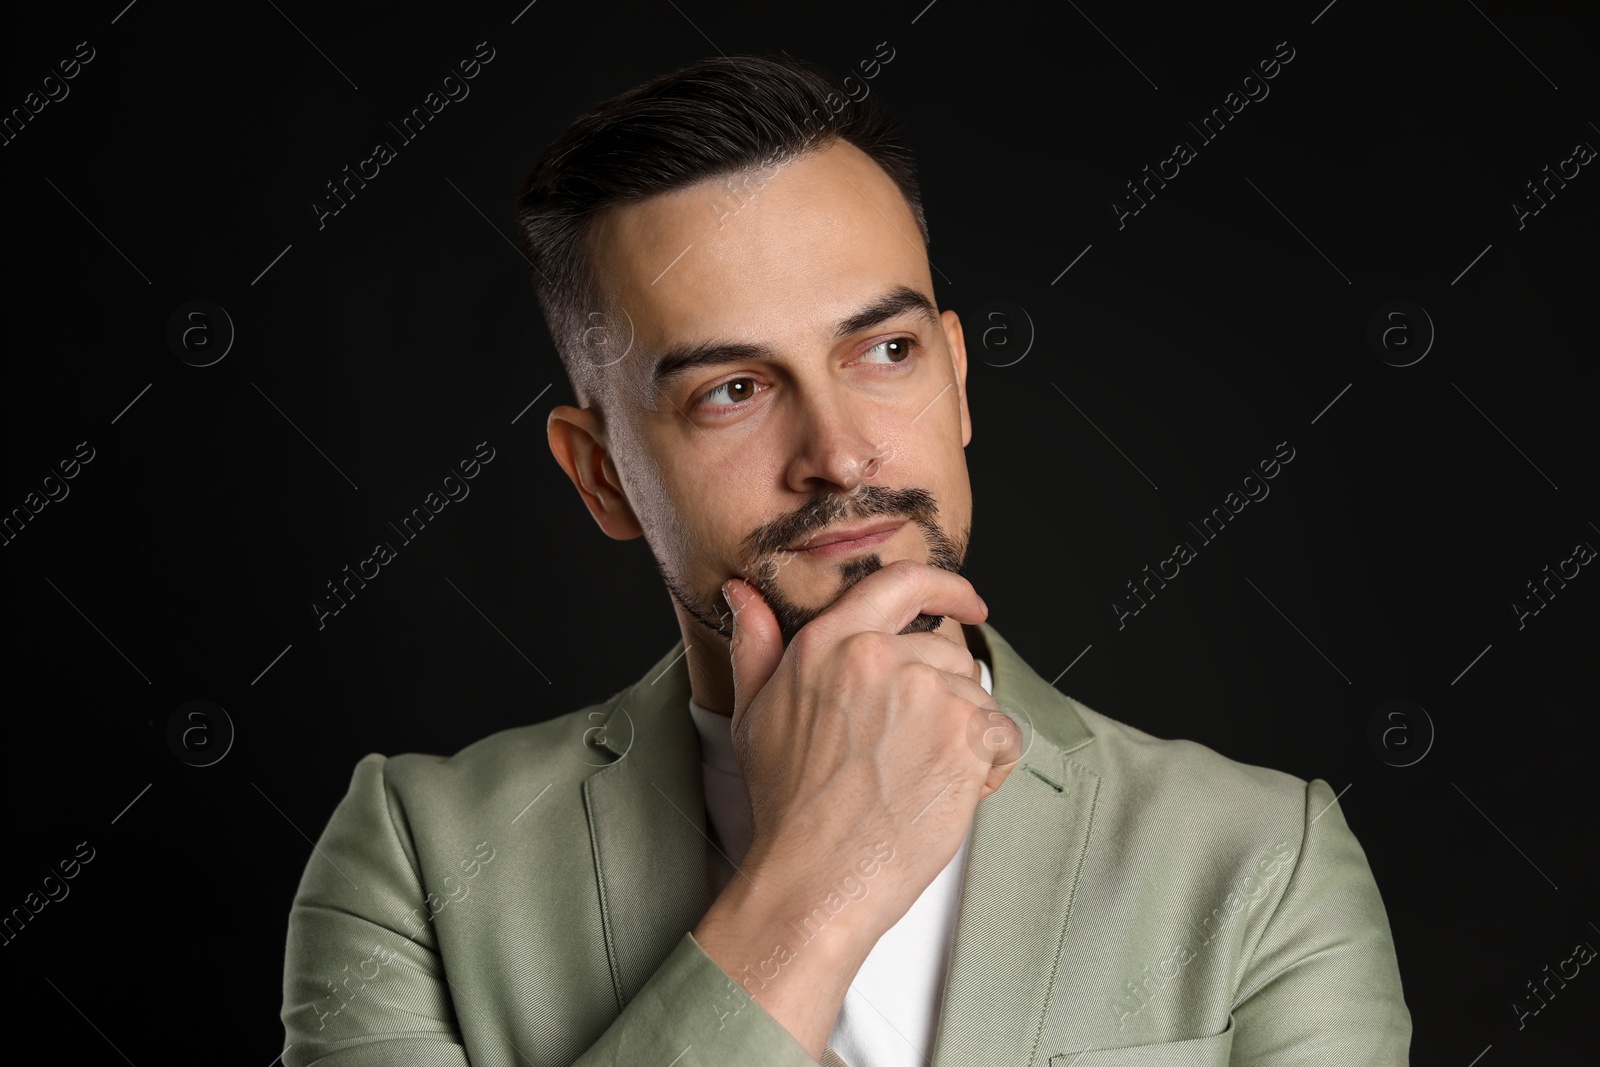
(364, 987)
(1323, 985)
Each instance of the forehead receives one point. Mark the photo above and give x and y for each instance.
(794, 248)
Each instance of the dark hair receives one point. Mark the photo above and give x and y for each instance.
(717, 117)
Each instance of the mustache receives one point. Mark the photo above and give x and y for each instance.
(818, 513)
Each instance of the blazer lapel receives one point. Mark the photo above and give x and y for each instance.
(647, 822)
(1028, 844)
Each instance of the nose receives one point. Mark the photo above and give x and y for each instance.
(835, 450)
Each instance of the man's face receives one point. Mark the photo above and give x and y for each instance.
(788, 378)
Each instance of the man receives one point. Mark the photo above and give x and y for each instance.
(841, 820)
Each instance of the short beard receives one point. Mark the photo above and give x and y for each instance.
(770, 541)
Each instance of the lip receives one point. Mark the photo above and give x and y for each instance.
(849, 539)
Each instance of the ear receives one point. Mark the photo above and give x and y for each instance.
(578, 441)
(958, 358)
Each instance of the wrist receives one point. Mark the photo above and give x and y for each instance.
(769, 931)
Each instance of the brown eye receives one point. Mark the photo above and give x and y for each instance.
(737, 391)
(898, 349)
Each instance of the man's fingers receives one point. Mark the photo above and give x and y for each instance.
(991, 733)
(757, 645)
(937, 650)
(889, 598)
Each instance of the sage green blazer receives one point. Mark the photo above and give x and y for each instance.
(1127, 901)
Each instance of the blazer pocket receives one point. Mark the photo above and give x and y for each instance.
(1210, 1051)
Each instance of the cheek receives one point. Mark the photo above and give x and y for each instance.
(688, 524)
(644, 481)
(935, 461)
(709, 507)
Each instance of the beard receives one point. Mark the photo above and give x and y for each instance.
(767, 552)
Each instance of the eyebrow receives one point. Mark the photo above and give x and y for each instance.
(678, 360)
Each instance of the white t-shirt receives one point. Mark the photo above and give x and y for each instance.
(891, 1013)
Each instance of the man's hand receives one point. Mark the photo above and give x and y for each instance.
(855, 739)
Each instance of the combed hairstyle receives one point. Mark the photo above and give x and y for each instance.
(718, 117)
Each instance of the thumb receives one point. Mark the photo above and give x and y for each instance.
(757, 644)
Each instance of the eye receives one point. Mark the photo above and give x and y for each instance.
(898, 349)
(737, 390)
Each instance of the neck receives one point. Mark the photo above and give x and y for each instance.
(711, 671)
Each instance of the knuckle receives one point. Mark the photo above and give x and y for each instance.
(908, 566)
(926, 679)
(862, 646)
(808, 640)
(916, 575)
(997, 730)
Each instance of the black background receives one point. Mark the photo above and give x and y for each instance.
(377, 351)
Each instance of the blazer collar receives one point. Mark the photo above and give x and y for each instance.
(1024, 860)
(647, 821)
